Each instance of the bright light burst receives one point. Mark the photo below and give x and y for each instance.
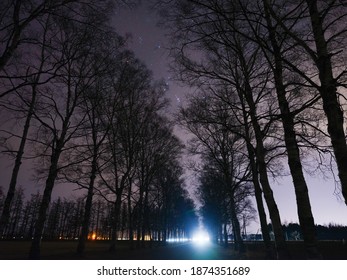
(201, 237)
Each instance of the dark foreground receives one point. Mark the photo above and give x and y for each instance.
(98, 250)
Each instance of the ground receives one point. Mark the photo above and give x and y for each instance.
(98, 250)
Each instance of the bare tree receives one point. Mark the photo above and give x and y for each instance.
(325, 23)
(208, 121)
(29, 216)
(17, 17)
(138, 101)
(303, 202)
(233, 71)
(98, 99)
(29, 107)
(13, 226)
(58, 120)
(222, 30)
(158, 146)
(177, 212)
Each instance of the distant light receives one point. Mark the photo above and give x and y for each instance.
(174, 240)
(201, 237)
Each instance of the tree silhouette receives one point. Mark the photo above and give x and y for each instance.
(325, 22)
(57, 118)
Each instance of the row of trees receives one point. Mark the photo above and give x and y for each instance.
(270, 78)
(85, 111)
(326, 232)
(65, 219)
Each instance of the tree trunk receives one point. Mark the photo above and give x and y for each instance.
(140, 216)
(301, 191)
(225, 235)
(88, 206)
(220, 233)
(247, 94)
(258, 191)
(329, 95)
(236, 228)
(5, 216)
(145, 218)
(130, 219)
(35, 249)
(115, 224)
(262, 215)
(281, 247)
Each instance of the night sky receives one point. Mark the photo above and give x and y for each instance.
(149, 44)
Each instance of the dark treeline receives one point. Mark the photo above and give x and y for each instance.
(65, 219)
(326, 232)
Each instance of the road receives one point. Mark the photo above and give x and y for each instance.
(179, 251)
(60, 250)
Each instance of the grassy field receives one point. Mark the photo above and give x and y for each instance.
(98, 250)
